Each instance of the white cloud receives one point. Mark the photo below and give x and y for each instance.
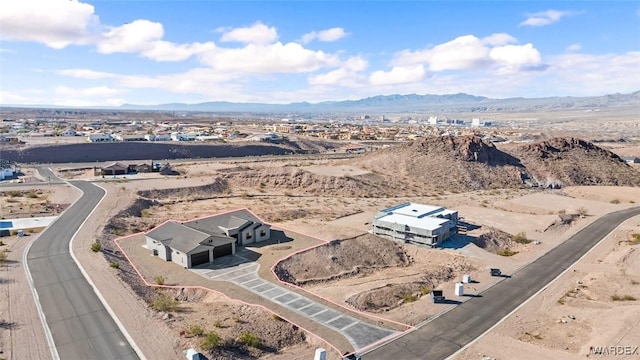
(398, 75)
(515, 55)
(133, 37)
(544, 18)
(586, 74)
(464, 52)
(86, 74)
(144, 37)
(328, 35)
(347, 75)
(574, 48)
(98, 91)
(471, 53)
(499, 39)
(271, 58)
(257, 33)
(55, 23)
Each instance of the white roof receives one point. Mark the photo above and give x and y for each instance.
(416, 210)
(427, 223)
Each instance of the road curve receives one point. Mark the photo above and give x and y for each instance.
(80, 325)
(451, 331)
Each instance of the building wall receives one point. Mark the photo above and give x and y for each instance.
(263, 229)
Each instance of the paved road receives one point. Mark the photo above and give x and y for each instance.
(241, 272)
(448, 333)
(80, 325)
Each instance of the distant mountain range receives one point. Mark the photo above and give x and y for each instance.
(407, 103)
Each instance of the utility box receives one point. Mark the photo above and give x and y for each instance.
(437, 296)
(466, 278)
(321, 354)
(496, 272)
(459, 289)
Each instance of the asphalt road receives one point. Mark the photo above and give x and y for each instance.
(80, 325)
(451, 331)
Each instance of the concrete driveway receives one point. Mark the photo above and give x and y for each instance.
(242, 272)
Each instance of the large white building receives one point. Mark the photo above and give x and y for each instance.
(410, 222)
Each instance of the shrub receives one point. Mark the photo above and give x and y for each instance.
(615, 201)
(409, 298)
(114, 265)
(96, 246)
(145, 213)
(622, 298)
(14, 193)
(32, 195)
(211, 341)
(506, 252)
(635, 239)
(521, 238)
(277, 317)
(218, 324)
(250, 339)
(425, 290)
(164, 302)
(3, 256)
(582, 211)
(195, 330)
(562, 212)
(159, 280)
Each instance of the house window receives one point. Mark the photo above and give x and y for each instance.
(249, 235)
(263, 233)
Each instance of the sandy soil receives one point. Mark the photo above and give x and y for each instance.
(329, 218)
(21, 332)
(577, 311)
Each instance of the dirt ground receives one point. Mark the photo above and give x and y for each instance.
(533, 212)
(595, 304)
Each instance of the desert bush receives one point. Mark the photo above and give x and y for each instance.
(211, 341)
(145, 213)
(96, 246)
(159, 280)
(164, 302)
(562, 212)
(506, 252)
(114, 265)
(582, 211)
(32, 195)
(14, 193)
(3, 256)
(250, 339)
(409, 298)
(218, 324)
(425, 290)
(635, 239)
(615, 201)
(622, 298)
(195, 330)
(521, 238)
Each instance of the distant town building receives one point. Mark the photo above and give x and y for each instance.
(631, 159)
(99, 137)
(417, 223)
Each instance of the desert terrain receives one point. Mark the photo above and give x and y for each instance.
(516, 203)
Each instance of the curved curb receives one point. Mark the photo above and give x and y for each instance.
(104, 302)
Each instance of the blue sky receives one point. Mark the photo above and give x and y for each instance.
(106, 53)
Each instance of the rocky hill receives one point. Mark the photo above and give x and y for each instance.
(571, 161)
(469, 163)
(447, 162)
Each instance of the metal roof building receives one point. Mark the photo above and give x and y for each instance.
(418, 223)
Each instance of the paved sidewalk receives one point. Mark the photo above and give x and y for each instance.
(244, 273)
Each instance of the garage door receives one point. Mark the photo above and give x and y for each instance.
(222, 250)
(200, 258)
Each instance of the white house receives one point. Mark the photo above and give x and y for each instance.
(201, 241)
(411, 222)
(69, 132)
(99, 137)
(180, 136)
(131, 137)
(158, 137)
